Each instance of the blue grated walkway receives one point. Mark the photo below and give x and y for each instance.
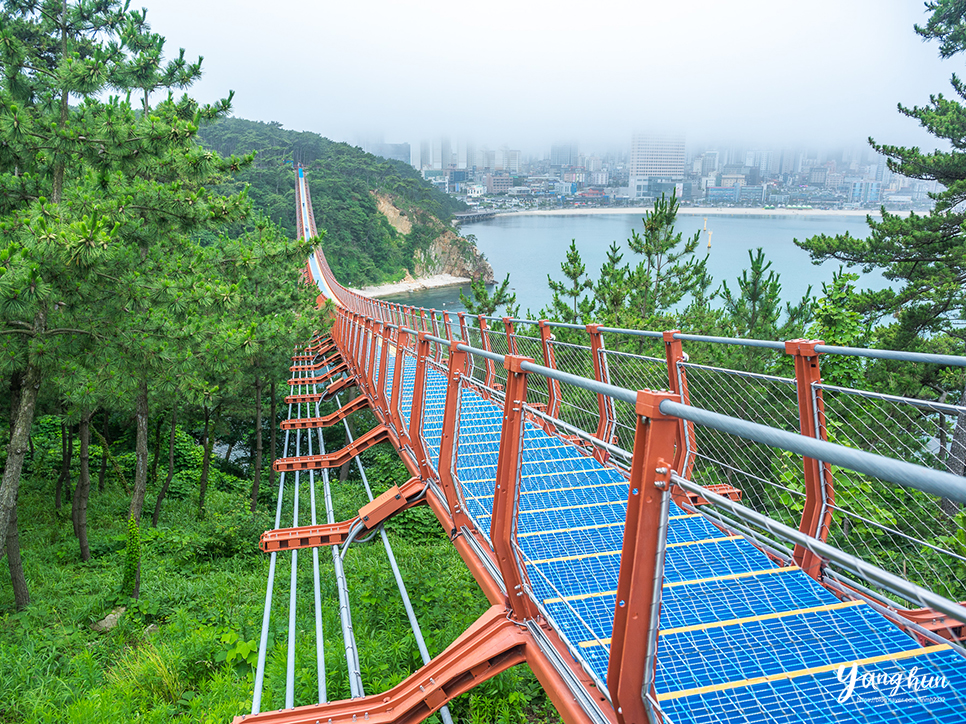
(742, 639)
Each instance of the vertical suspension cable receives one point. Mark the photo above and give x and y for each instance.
(293, 585)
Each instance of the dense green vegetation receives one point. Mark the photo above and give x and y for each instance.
(360, 244)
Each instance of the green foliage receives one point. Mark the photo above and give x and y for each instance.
(482, 302)
(570, 303)
(837, 322)
(132, 557)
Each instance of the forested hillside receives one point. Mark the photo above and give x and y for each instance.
(360, 243)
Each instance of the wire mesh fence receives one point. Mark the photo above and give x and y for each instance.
(578, 406)
(909, 533)
(770, 480)
(632, 372)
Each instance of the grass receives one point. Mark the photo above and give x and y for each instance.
(186, 649)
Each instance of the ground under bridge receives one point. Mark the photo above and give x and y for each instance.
(661, 539)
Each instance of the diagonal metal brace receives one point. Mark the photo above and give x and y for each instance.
(379, 510)
(337, 387)
(490, 646)
(304, 423)
(336, 459)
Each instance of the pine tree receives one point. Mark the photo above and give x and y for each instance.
(570, 303)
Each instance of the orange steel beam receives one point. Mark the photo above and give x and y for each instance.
(490, 379)
(633, 648)
(553, 386)
(502, 525)
(337, 387)
(491, 645)
(392, 501)
(305, 423)
(336, 459)
(297, 399)
(332, 359)
(511, 338)
(674, 353)
(321, 379)
(819, 489)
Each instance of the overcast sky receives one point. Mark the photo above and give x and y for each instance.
(530, 72)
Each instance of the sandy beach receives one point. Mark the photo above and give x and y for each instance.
(695, 211)
(412, 285)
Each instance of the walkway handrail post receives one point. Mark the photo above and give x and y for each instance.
(503, 525)
(605, 405)
(819, 488)
(637, 611)
(488, 363)
(677, 377)
(374, 330)
(395, 414)
(438, 355)
(384, 332)
(553, 386)
(511, 339)
(469, 364)
(419, 401)
(449, 438)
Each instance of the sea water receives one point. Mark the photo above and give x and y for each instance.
(532, 247)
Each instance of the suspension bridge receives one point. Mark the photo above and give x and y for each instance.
(660, 539)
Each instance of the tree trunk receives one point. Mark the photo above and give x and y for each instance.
(256, 479)
(231, 447)
(170, 476)
(157, 451)
(21, 596)
(102, 476)
(141, 447)
(83, 490)
(208, 443)
(271, 440)
(19, 444)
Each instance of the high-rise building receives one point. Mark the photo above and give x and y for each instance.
(654, 156)
(563, 154)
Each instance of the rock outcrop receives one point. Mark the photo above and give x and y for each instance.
(454, 255)
(448, 254)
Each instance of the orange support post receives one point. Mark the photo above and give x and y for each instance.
(489, 380)
(511, 338)
(605, 405)
(503, 524)
(438, 353)
(395, 417)
(449, 436)
(416, 411)
(553, 386)
(381, 397)
(677, 379)
(465, 334)
(819, 490)
(637, 613)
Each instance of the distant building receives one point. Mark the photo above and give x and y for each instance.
(563, 154)
(498, 183)
(599, 178)
(565, 189)
(654, 157)
(865, 192)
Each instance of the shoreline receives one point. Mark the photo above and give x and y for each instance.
(409, 284)
(698, 211)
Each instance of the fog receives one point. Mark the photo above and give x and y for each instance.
(526, 74)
